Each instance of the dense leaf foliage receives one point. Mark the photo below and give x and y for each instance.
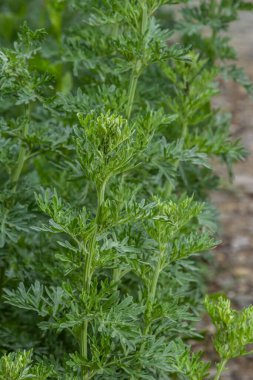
(107, 140)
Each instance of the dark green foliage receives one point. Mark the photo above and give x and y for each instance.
(107, 139)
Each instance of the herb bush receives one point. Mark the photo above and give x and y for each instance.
(107, 139)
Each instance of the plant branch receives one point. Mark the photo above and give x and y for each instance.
(90, 253)
(132, 90)
(136, 71)
(22, 153)
(220, 369)
(153, 287)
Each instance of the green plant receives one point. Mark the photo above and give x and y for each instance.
(19, 366)
(110, 124)
(234, 330)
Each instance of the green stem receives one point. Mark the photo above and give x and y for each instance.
(116, 276)
(56, 19)
(183, 136)
(152, 293)
(101, 199)
(136, 71)
(132, 90)
(86, 289)
(144, 22)
(22, 153)
(88, 272)
(115, 30)
(138, 66)
(153, 288)
(15, 175)
(220, 369)
(184, 131)
(84, 347)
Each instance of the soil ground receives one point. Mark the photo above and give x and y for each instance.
(234, 258)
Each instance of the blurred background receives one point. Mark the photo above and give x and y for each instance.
(233, 265)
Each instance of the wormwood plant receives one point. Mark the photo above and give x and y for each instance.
(109, 122)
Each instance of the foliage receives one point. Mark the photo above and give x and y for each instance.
(19, 366)
(107, 139)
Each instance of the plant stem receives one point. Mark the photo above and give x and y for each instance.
(144, 22)
(153, 288)
(22, 153)
(16, 173)
(136, 71)
(220, 369)
(132, 89)
(56, 19)
(14, 180)
(183, 136)
(84, 346)
(116, 276)
(88, 276)
(152, 294)
(115, 30)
